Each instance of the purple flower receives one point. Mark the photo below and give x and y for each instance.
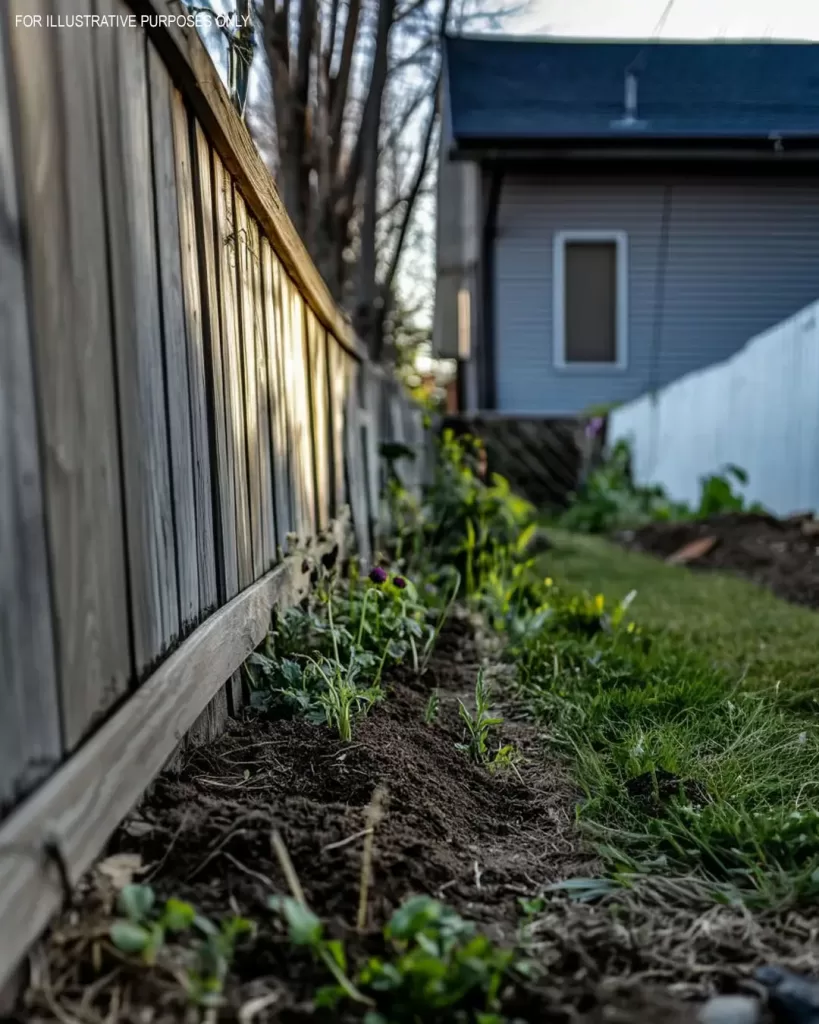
(378, 575)
(399, 581)
(594, 426)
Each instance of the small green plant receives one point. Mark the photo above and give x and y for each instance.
(342, 700)
(213, 956)
(435, 964)
(609, 499)
(305, 929)
(145, 929)
(432, 708)
(479, 727)
(440, 962)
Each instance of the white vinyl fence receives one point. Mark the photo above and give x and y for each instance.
(759, 410)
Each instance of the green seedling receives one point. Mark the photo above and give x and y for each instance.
(478, 726)
(439, 963)
(214, 954)
(432, 708)
(305, 930)
(144, 930)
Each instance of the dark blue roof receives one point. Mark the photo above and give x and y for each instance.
(506, 89)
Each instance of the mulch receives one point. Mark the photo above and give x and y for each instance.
(780, 554)
(477, 840)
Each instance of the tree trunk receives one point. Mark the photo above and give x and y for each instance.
(367, 318)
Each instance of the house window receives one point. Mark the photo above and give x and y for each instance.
(590, 299)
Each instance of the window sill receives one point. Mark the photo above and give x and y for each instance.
(584, 368)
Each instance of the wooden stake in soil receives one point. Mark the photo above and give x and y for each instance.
(374, 816)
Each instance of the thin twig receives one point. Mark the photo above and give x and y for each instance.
(346, 842)
(286, 865)
(248, 871)
(163, 860)
(374, 815)
(255, 1006)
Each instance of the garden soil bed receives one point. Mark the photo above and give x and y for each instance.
(478, 841)
(780, 554)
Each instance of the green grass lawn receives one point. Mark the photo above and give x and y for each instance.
(691, 725)
(745, 629)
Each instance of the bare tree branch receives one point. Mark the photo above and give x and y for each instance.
(341, 83)
(415, 190)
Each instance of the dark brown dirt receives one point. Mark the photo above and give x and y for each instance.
(477, 840)
(780, 554)
(451, 829)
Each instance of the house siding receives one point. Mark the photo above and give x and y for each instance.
(741, 255)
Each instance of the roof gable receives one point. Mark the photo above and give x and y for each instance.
(521, 89)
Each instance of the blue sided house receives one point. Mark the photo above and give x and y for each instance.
(613, 215)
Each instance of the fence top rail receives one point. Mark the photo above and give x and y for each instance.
(194, 74)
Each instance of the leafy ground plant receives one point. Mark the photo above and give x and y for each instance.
(436, 965)
(610, 499)
(465, 523)
(479, 727)
(147, 930)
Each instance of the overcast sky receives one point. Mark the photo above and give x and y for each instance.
(777, 19)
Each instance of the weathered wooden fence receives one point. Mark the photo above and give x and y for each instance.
(178, 396)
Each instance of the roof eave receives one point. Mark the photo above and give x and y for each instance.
(768, 150)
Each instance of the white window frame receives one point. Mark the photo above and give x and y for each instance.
(620, 238)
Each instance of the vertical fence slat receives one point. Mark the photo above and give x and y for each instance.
(59, 150)
(197, 382)
(232, 365)
(356, 465)
(207, 221)
(132, 246)
(247, 335)
(29, 726)
(317, 392)
(293, 377)
(262, 405)
(302, 429)
(276, 392)
(337, 379)
(175, 343)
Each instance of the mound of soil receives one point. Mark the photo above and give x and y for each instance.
(780, 554)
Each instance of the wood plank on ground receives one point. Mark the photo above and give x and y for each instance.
(197, 363)
(30, 744)
(59, 158)
(123, 86)
(227, 562)
(172, 311)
